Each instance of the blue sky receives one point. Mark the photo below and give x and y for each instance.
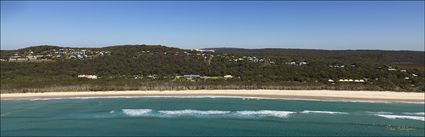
(245, 24)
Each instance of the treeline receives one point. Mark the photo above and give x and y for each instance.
(128, 84)
(380, 56)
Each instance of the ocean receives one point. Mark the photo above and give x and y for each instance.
(207, 116)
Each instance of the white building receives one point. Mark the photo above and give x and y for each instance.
(336, 66)
(203, 50)
(391, 69)
(88, 76)
(352, 80)
(228, 76)
(359, 80)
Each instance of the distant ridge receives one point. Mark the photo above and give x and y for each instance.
(267, 49)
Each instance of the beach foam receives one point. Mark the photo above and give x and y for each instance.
(136, 112)
(380, 113)
(206, 113)
(265, 113)
(403, 117)
(251, 113)
(193, 112)
(415, 113)
(322, 112)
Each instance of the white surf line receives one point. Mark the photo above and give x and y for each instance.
(422, 118)
(322, 112)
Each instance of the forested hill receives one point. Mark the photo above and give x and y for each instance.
(146, 67)
(382, 56)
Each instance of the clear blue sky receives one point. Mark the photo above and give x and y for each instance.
(278, 24)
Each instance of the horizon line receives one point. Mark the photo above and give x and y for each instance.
(223, 47)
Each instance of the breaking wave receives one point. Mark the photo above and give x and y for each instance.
(265, 113)
(422, 118)
(417, 113)
(250, 113)
(322, 112)
(380, 113)
(205, 113)
(136, 112)
(193, 112)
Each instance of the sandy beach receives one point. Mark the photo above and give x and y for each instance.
(379, 96)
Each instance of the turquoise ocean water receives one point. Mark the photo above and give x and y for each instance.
(208, 116)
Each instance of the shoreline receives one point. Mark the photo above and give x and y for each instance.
(326, 95)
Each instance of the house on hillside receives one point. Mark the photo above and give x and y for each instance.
(337, 66)
(152, 76)
(87, 76)
(17, 59)
(298, 63)
(391, 69)
(228, 76)
(359, 80)
(32, 58)
(352, 80)
(191, 76)
(203, 50)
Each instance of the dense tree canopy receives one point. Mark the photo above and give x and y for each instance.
(261, 68)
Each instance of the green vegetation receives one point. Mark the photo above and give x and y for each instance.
(142, 67)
